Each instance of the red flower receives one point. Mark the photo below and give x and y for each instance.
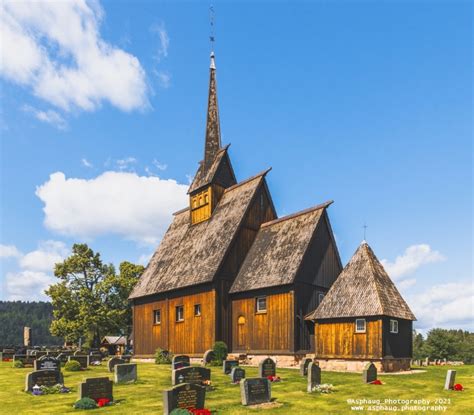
(376, 382)
(458, 387)
(102, 402)
(200, 411)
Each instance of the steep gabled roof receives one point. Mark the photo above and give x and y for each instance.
(191, 254)
(362, 289)
(278, 249)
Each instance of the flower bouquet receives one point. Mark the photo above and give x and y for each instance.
(274, 378)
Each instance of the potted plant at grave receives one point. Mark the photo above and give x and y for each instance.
(220, 353)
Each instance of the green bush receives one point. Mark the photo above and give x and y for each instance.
(163, 357)
(179, 411)
(72, 366)
(18, 364)
(85, 403)
(220, 352)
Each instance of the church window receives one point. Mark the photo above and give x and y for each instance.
(360, 325)
(206, 198)
(197, 310)
(156, 316)
(180, 313)
(261, 304)
(200, 201)
(394, 326)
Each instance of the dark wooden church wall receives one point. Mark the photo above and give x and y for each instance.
(224, 176)
(397, 344)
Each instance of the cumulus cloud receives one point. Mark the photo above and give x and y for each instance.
(9, 251)
(135, 207)
(414, 257)
(45, 257)
(55, 49)
(49, 117)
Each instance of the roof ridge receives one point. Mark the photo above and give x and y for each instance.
(180, 211)
(296, 214)
(374, 279)
(262, 173)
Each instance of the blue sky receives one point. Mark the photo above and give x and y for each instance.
(366, 103)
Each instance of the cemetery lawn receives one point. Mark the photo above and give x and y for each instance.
(145, 396)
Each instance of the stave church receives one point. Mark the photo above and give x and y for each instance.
(228, 268)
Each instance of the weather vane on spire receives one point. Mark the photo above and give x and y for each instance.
(211, 21)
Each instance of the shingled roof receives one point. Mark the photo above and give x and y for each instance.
(278, 250)
(362, 289)
(191, 254)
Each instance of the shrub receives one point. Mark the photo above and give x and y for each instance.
(163, 357)
(85, 403)
(18, 364)
(72, 366)
(220, 352)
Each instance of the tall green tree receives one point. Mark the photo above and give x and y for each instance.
(91, 300)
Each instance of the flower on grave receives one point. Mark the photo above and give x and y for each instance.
(458, 387)
(324, 388)
(376, 382)
(206, 382)
(37, 390)
(274, 378)
(203, 411)
(102, 402)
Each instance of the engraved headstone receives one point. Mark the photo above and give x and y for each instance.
(237, 374)
(47, 363)
(184, 396)
(370, 373)
(450, 379)
(43, 377)
(180, 361)
(304, 366)
(254, 391)
(266, 367)
(114, 361)
(208, 357)
(25, 359)
(314, 376)
(40, 353)
(83, 360)
(126, 372)
(96, 388)
(190, 374)
(227, 366)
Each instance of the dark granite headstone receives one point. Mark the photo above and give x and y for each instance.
(237, 374)
(95, 357)
(227, 366)
(180, 361)
(184, 396)
(62, 357)
(83, 360)
(96, 388)
(126, 358)
(370, 373)
(40, 353)
(80, 353)
(304, 366)
(114, 361)
(450, 379)
(7, 355)
(47, 363)
(190, 374)
(43, 377)
(254, 391)
(126, 372)
(266, 368)
(208, 357)
(314, 376)
(25, 359)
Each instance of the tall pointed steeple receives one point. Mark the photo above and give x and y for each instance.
(213, 129)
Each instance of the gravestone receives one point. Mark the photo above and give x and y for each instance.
(450, 379)
(237, 374)
(62, 357)
(126, 372)
(208, 357)
(7, 354)
(254, 391)
(95, 357)
(370, 373)
(266, 368)
(80, 353)
(227, 366)
(126, 358)
(25, 359)
(83, 360)
(114, 361)
(40, 353)
(47, 363)
(96, 388)
(314, 376)
(304, 366)
(190, 374)
(180, 361)
(186, 395)
(43, 377)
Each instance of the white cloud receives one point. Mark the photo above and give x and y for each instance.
(55, 49)
(414, 257)
(144, 259)
(136, 207)
(164, 39)
(124, 164)
(49, 117)
(9, 251)
(27, 285)
(86, 163)
(159, 165)
(45, 257)
(164, 78)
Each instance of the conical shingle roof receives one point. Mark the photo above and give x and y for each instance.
(362, 289)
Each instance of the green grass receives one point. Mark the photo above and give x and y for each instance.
(145, 397)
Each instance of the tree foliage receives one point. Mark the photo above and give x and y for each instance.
(91, 300)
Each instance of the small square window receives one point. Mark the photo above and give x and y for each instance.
(261, 304)
(197, 310)
(156, 316)
(360, 325)
(394, 326)
(180, 313)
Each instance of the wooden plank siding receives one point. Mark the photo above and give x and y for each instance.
(193, 336)
(263, 332)
(338, 339)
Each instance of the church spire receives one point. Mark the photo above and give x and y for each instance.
(213, 130)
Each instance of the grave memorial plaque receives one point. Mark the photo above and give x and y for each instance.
(96, 388)
(114, 361)
(227, 366)
(126, 372)
(304, 366)
(180, 361)
(208, 357)
(254, 391)
(47, 363)
(43, 377)
(266, 368)
(314, 376)
(370, 373)
(184, 396)
(237, 374)
(190, 374)
(450, 379)
(83, 360)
